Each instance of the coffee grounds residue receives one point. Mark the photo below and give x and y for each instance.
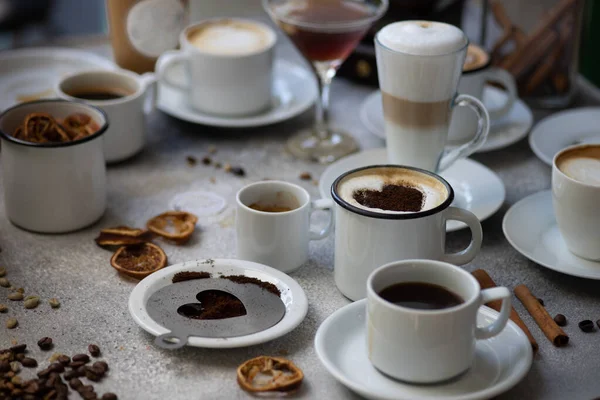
(189, 275)
(213, 304)
(241, 279)
(391, 198)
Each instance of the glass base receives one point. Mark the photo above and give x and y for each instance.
(308, 146)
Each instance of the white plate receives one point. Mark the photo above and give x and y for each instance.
(504, 131)
(30, 74)
(294, 91)
(530, 227)
(292, 295)
(500, 362)
(476, 187)
(563, 129)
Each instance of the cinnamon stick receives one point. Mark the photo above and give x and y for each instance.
(486, 282)
(552, 331)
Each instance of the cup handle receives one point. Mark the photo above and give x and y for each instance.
(468, 254)
(149, 83)
(487, 295)
(483, 128)
(504, 78)
(164, 62)
(327, 206)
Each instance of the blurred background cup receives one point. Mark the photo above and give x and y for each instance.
(125, 97)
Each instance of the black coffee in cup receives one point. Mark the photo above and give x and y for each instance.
(420, 296)
(99, 93)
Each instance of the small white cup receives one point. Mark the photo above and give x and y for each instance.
(126, 135)
(277, 239)
(428, 346)
(223, 84)
(365, 240)
(577, 210)
(53, 187)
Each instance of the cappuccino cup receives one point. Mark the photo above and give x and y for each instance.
(422, 319)
(385, 213)
(273, 224)
(476, 73)
(576, 198)
(419, 64)
(228, 64)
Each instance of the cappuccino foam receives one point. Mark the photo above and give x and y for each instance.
(230, 37)
(375, 179)
(581, 164)
(425, 38)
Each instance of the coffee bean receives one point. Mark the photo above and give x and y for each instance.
(19, 356)
(15, 366)
(3, 308)
(29, 362)
(75, 383)
(4, 366)
(71, 374)
(31, 303)
(85, 388)
(2, 271)
(81, 371)
(15, 296)
(206, 160)
(109, 396)
(12, 323)
(560, 320)
(63, 359)
(16, 380)
(9, 374)
(52, 380)
(20, 348)
(101, 364)
(94, 350)
(21, 290)
(43, 373)
(191, 160)
(91, 375)
(76, 364)
(81, 358)
(239, 171)
(45, 343)
(98, 371)
(54, 303)
(586, 325)
(305, 176)
(56, 367)
(32, 387)
(4, 282)
(541, 301)
(89, 395)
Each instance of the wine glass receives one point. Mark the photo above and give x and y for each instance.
(325, 32)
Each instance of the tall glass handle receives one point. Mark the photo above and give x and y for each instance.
(483, 128)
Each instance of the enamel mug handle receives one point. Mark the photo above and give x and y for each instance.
(467, 255)
(505, 79)
(149, 84)
(487, 295)
(327, 206)
(164, 62)
(483, 128)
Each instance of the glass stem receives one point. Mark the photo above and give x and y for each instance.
(325, 76)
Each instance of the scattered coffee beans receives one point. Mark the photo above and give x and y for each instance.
(305, 176)
(29, 362)
(191, 160)
(2, 271)
(15, 366)
(560, 320)
(63, 359)
(54, 303)
(4, 282)
(109, 396)
(76, 364)
(32, 302)
(206, 160)
(3, 308)
(45, 343)
(15, 296)
(94, 350)
(84, 358)
(19, 348)
(75, 383)
(238, 171)
(4, 366)
(586, 325)
(101, 364)
(56, 367)
(11, 323)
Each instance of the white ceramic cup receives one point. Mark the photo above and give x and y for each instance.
(577, 209)
(277, 239)
(365, 240)
(428, 346)
(222, 84)
(127, 133)
(53, 187)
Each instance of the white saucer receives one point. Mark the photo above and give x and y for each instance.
(30, 74)
(530, 227)
(292, 296)
(563, 129)
(294, 91)
(476, 187)
(504, 131)
(500, 362)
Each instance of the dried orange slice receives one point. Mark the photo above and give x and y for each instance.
(268, 374)
(140, 260)
(122, 236)
(177, 226)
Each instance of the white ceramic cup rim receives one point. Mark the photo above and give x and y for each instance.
(372, 294)
(567, 177)
(268, 186)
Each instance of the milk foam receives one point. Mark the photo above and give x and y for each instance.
(585, 170)
(423, 38)
(434, 192)
(230, 37)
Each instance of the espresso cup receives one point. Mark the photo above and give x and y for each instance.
(576, 198)
(125, 97)
(273, 224)
(428, 345)
(367, 238)
(228, 64)
(474, 77)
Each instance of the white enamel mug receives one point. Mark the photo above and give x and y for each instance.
(428, 346)
(577, 208)
(277, 239)
(127, 133)
(53, 187)
(222, 84)
(365, 240)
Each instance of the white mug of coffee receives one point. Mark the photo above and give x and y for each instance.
(419, 64)
(125, 97)
(273, 224)
(476, 73)
(576, 198)
(385, 213)
(422, 319)
(228, 63)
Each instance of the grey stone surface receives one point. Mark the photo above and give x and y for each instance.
(94, 297)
